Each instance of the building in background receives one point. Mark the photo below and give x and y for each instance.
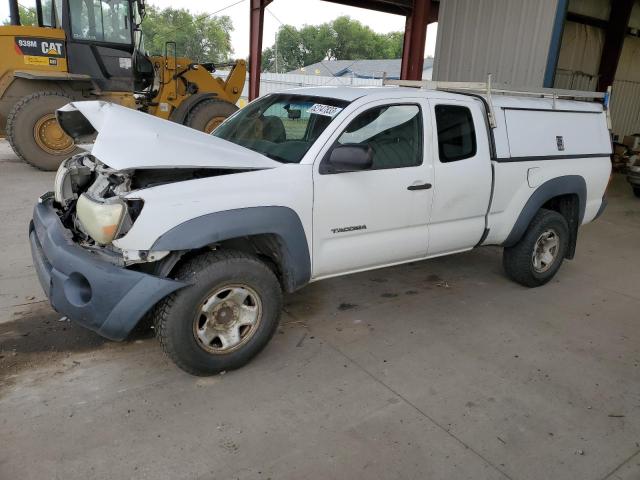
(575, 44)
(371, 69)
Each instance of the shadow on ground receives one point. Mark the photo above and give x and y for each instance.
(38, 335)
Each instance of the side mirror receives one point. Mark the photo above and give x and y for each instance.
(348, 158)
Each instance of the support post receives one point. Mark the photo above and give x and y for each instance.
(415, 37)
(14, 13)
(256, 22)
(39, 14)
(555, 44)
(613, 42)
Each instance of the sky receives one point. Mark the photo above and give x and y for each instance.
(292, 12)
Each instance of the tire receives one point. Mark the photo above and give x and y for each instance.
(520, 261)
(33, 115)
(208, 114)
(636, 191)
(180, 324)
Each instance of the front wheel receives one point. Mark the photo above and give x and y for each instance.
(536, 258)
(224, 318)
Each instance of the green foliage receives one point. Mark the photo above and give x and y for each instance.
(27, 16)
(199, 37)
(342, 38)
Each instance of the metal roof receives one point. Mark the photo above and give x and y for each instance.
(398, 7)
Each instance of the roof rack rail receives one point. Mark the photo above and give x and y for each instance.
(488, 88)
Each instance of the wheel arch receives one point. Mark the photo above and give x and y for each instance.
(274, 233)
(566, 195)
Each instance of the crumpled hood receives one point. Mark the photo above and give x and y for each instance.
(128, 139)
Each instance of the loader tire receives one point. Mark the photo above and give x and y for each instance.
(33, 131)
(208, 114)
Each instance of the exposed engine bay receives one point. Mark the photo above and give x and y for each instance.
(91, 196)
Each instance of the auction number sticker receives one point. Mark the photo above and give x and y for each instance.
(326, 110)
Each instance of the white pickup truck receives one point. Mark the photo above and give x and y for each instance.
(204, 232)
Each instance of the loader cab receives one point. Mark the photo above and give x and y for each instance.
(100, 40)
(100, 37)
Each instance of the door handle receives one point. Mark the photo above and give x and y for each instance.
(424, 186)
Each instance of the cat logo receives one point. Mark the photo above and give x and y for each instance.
(52, 48)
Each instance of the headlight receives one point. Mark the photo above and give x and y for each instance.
(62, 184)
(72, 175)
(100, 220)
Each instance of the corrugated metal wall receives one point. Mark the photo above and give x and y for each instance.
(508, 38)
(625, 97)
(579, 61)
(579, 57)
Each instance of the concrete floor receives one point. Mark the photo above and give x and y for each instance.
(435, 370)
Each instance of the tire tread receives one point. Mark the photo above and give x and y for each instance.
(189, 271)
(15, 110)
(517, 259)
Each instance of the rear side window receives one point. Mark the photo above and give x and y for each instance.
(456, 135)
(394, 133)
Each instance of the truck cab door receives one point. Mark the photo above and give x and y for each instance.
(378, 216)
(463, 172)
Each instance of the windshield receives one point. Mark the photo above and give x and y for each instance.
(281, 127)
(106, 21)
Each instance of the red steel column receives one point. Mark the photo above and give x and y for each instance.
(415, 37)
(256, 22)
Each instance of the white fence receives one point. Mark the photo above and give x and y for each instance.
(276, 82)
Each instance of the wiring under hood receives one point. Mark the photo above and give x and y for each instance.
(129, 139)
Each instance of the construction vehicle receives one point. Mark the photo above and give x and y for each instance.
(92, 50)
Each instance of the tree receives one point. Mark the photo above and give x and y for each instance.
(27, 16)
(199, 37)
(342, 38)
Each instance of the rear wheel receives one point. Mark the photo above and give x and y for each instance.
(536, 258)
(208, 114)
(34, 132)
(224, 318)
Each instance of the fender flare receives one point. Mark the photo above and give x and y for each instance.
(283, 222)
(565, 185)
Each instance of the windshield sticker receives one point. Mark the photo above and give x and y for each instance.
(326, 110)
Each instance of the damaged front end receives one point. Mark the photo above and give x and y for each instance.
(91, 198)
(133, 151)
(76, 233)
(96, 204)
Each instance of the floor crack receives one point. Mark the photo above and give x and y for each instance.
(422, 412)
(624, 462)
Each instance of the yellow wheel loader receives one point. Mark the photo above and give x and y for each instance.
(90, 50)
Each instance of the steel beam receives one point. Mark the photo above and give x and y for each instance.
(256, 23)
(415, 37)
(14, 13)
(613, 42)
(396, 7)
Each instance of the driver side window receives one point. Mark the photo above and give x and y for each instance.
(393, 132)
